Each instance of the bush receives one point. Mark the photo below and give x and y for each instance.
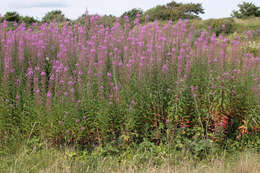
(55, 14)
(219, 26)
(29, 20)
(132, 14)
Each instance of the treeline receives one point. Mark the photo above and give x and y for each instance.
(15, 17)
(170, 11)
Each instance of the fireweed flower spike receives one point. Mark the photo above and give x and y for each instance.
(91, 69)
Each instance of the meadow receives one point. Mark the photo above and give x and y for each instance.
(115, 92)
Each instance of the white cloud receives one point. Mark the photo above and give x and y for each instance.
(37, 4)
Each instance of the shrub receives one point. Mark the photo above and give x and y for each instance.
(28, 20)
(56, 15)
(221, 25)
(132, 14)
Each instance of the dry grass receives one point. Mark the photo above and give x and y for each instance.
(247, 163)
(54, 161)
(253, 20)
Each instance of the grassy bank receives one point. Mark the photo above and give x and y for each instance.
(67, 160)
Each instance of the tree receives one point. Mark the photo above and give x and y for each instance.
(12, 17)
(175, 11)
(246, 9)
(28, 20)
(55, 14)
(133, 13)
(15, 17)
(159, 12)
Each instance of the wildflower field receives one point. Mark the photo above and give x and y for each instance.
(88, 85)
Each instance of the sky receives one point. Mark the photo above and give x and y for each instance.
(75, 8)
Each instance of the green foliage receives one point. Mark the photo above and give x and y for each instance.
(15, 17)
(175, 11)
(225, 25)
(159, 12)
(29, 20)
(35, 156)
(54, 15)
(106, 20)
(185, 11)
(246, 9)
(133, 13)
(153, 110)
(12, 17)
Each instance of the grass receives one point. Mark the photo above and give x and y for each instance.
(250, 23)
(67, 160)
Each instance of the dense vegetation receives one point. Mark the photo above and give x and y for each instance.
(129, 87)
(91, 85)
